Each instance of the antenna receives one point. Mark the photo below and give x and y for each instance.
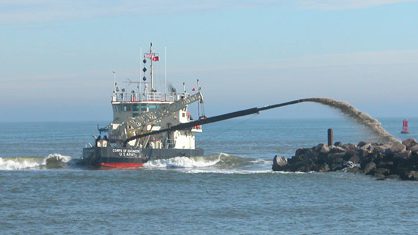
(165, 72)
(198, 103)
(114, 80)
(115, 87)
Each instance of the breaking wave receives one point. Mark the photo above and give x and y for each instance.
(219, 164)
(183, 162)
(21, 163)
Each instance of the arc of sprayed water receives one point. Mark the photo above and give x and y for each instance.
(363, 118)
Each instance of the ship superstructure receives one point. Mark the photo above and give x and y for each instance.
(139, 114)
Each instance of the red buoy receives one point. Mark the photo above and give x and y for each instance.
(405, 127)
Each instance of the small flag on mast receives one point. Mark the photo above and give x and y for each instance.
(156, 58)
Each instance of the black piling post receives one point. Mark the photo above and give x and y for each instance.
(330, 137)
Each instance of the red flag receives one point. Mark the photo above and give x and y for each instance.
(148, 55)
(155, 58)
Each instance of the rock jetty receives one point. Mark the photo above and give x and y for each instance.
(392, 160)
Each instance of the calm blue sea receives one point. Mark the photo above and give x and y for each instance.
(231, 190)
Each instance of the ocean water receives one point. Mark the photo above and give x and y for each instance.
(231, 190)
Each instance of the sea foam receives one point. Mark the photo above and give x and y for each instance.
(182, 162)
(21, 163)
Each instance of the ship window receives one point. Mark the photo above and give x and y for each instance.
(152, 106)
(143, 107)
(126, 108)
(135, 107)
(135, 114)
(183, 115)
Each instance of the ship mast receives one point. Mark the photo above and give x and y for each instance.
(151, 68)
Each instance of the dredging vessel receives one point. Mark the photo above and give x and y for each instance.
(149, 124)
(143, 110)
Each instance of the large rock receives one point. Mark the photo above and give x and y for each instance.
(411, 175)
(336, 161)
(381, 172)
(324, 168)
(385, 164)
(397, 148)
(361, 144)
(279, 163)
(364, 153)
(405, 154)
(381, 148)
(337, 149)
(349, 147)
(323, 148)
(306, 153)
(414, 148)
(355, 159)
(409, 143)
(367, 147)
(369, 168)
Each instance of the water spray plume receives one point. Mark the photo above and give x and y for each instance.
(363, 118)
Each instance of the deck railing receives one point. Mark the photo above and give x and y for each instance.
(143, 97)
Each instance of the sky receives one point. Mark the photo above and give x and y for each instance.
(57, 57)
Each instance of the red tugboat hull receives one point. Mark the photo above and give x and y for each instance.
(123, 165)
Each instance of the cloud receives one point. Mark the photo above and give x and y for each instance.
(28, 11)
(23, 11)
(348, 4)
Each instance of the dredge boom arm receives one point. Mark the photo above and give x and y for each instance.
(213, 119)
